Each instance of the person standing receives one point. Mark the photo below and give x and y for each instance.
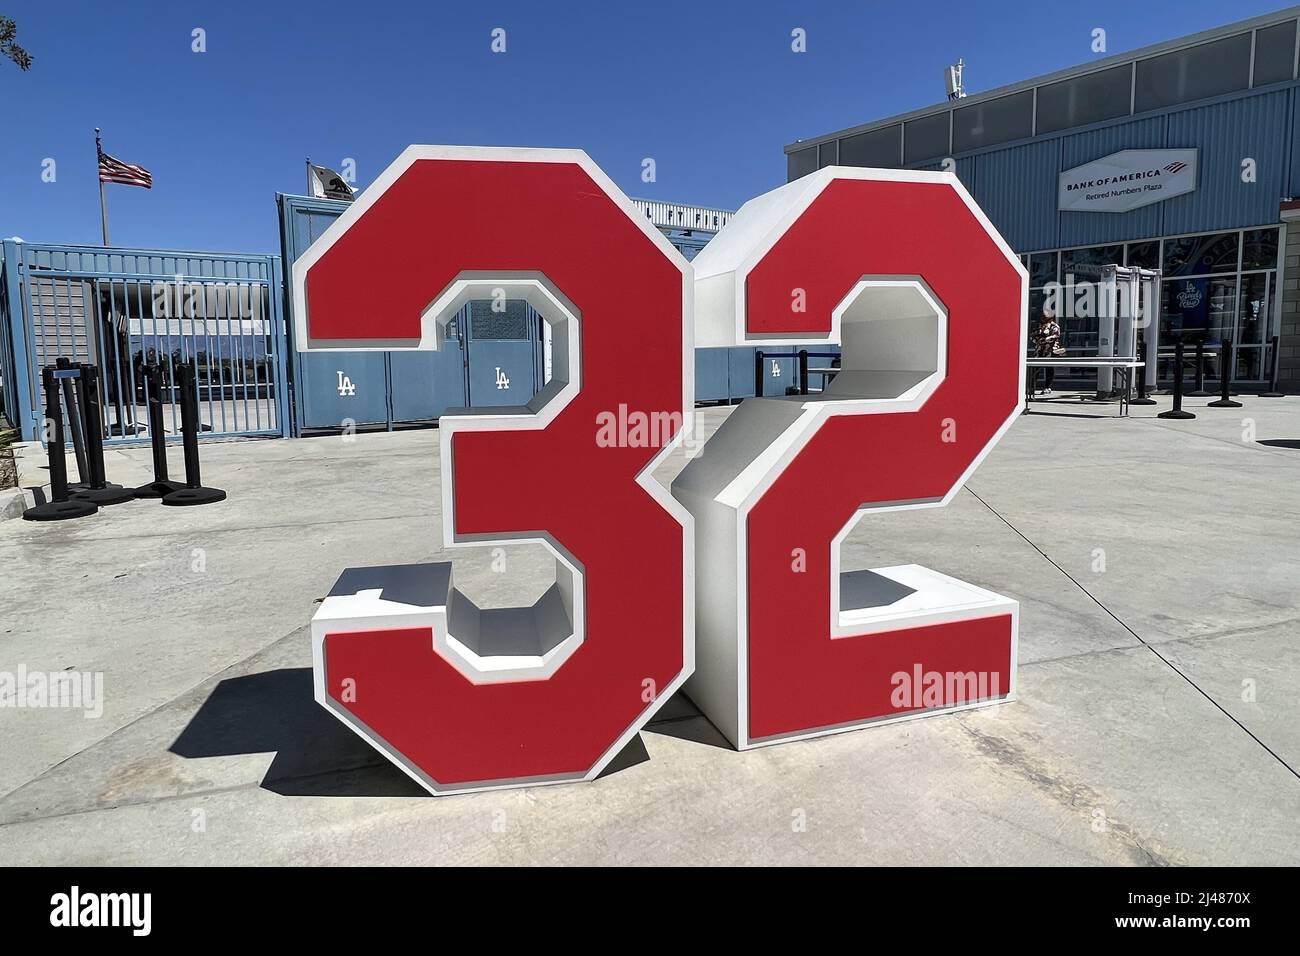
(1047, 344)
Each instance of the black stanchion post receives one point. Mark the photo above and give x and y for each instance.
(193, 493)
(60, 506)
(1225, 377)
(74, 401)
(1177, 410)
(758, 374)
(803, 371)
(161, 484)
(1198, 380)
(1272, 372)
(1141, 373)
(99, 490)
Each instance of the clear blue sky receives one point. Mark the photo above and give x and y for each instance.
(710, 89)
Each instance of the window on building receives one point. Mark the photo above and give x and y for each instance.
(1199, 255)
(1077, 260)
(1194, 73)
(1198, 308)
(877, 147)
(1042, 268)
(1259, 249)
(995, 121)
(800, 163)
(1252, 308)
(1204, 296)
(828, 154)
(1275, 53)
(1085, 99)
(925, 138)
(1144, 255)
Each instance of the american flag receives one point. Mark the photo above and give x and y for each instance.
(115, 171)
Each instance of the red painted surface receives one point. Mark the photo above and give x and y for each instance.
(536, 217)
(800, 679)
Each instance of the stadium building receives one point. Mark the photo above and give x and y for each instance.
(1180, 156)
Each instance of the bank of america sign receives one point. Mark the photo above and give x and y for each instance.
(1127, 179)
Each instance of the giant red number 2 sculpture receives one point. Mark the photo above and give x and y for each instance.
(465, 698)
(904, 271)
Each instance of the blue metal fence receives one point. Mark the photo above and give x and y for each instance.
(124, 308)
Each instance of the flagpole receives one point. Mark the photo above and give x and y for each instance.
(103, 207)
(309, 189)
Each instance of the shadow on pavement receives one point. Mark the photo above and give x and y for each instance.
(315, 754)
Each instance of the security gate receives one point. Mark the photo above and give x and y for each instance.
(122, 309)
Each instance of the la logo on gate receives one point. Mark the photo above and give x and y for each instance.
(729, 583)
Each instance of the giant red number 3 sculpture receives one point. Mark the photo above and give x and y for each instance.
(464, 698)
(900, 268)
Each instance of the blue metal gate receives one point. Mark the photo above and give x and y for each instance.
(124, 308)
(502, 352)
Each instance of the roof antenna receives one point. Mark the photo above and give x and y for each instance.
(952, 80)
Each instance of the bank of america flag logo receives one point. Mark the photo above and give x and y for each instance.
(1175, 168)
(115, 171)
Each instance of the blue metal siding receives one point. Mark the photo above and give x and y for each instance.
(1016, 188)
(1092, 228)
(1227, 133)
(18, 392)
(711, 376)
(968, 172)
(135, 262)
(1016, 185)
(335, 389)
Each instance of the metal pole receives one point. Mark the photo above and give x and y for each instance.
(803, 371)
(100, 491)
(1272, 377)
(193, 493)
(1225, 377)
(1141, 374)
(60, 506)
(103, 206)
(161, 484)
(75, 400)
(758, 374)
(1198, 389)
(1177, 410)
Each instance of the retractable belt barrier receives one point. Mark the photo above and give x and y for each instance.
(60, 507)
(76, 388)
(193, 493)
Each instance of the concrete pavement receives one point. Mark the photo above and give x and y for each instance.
(1157, 564)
